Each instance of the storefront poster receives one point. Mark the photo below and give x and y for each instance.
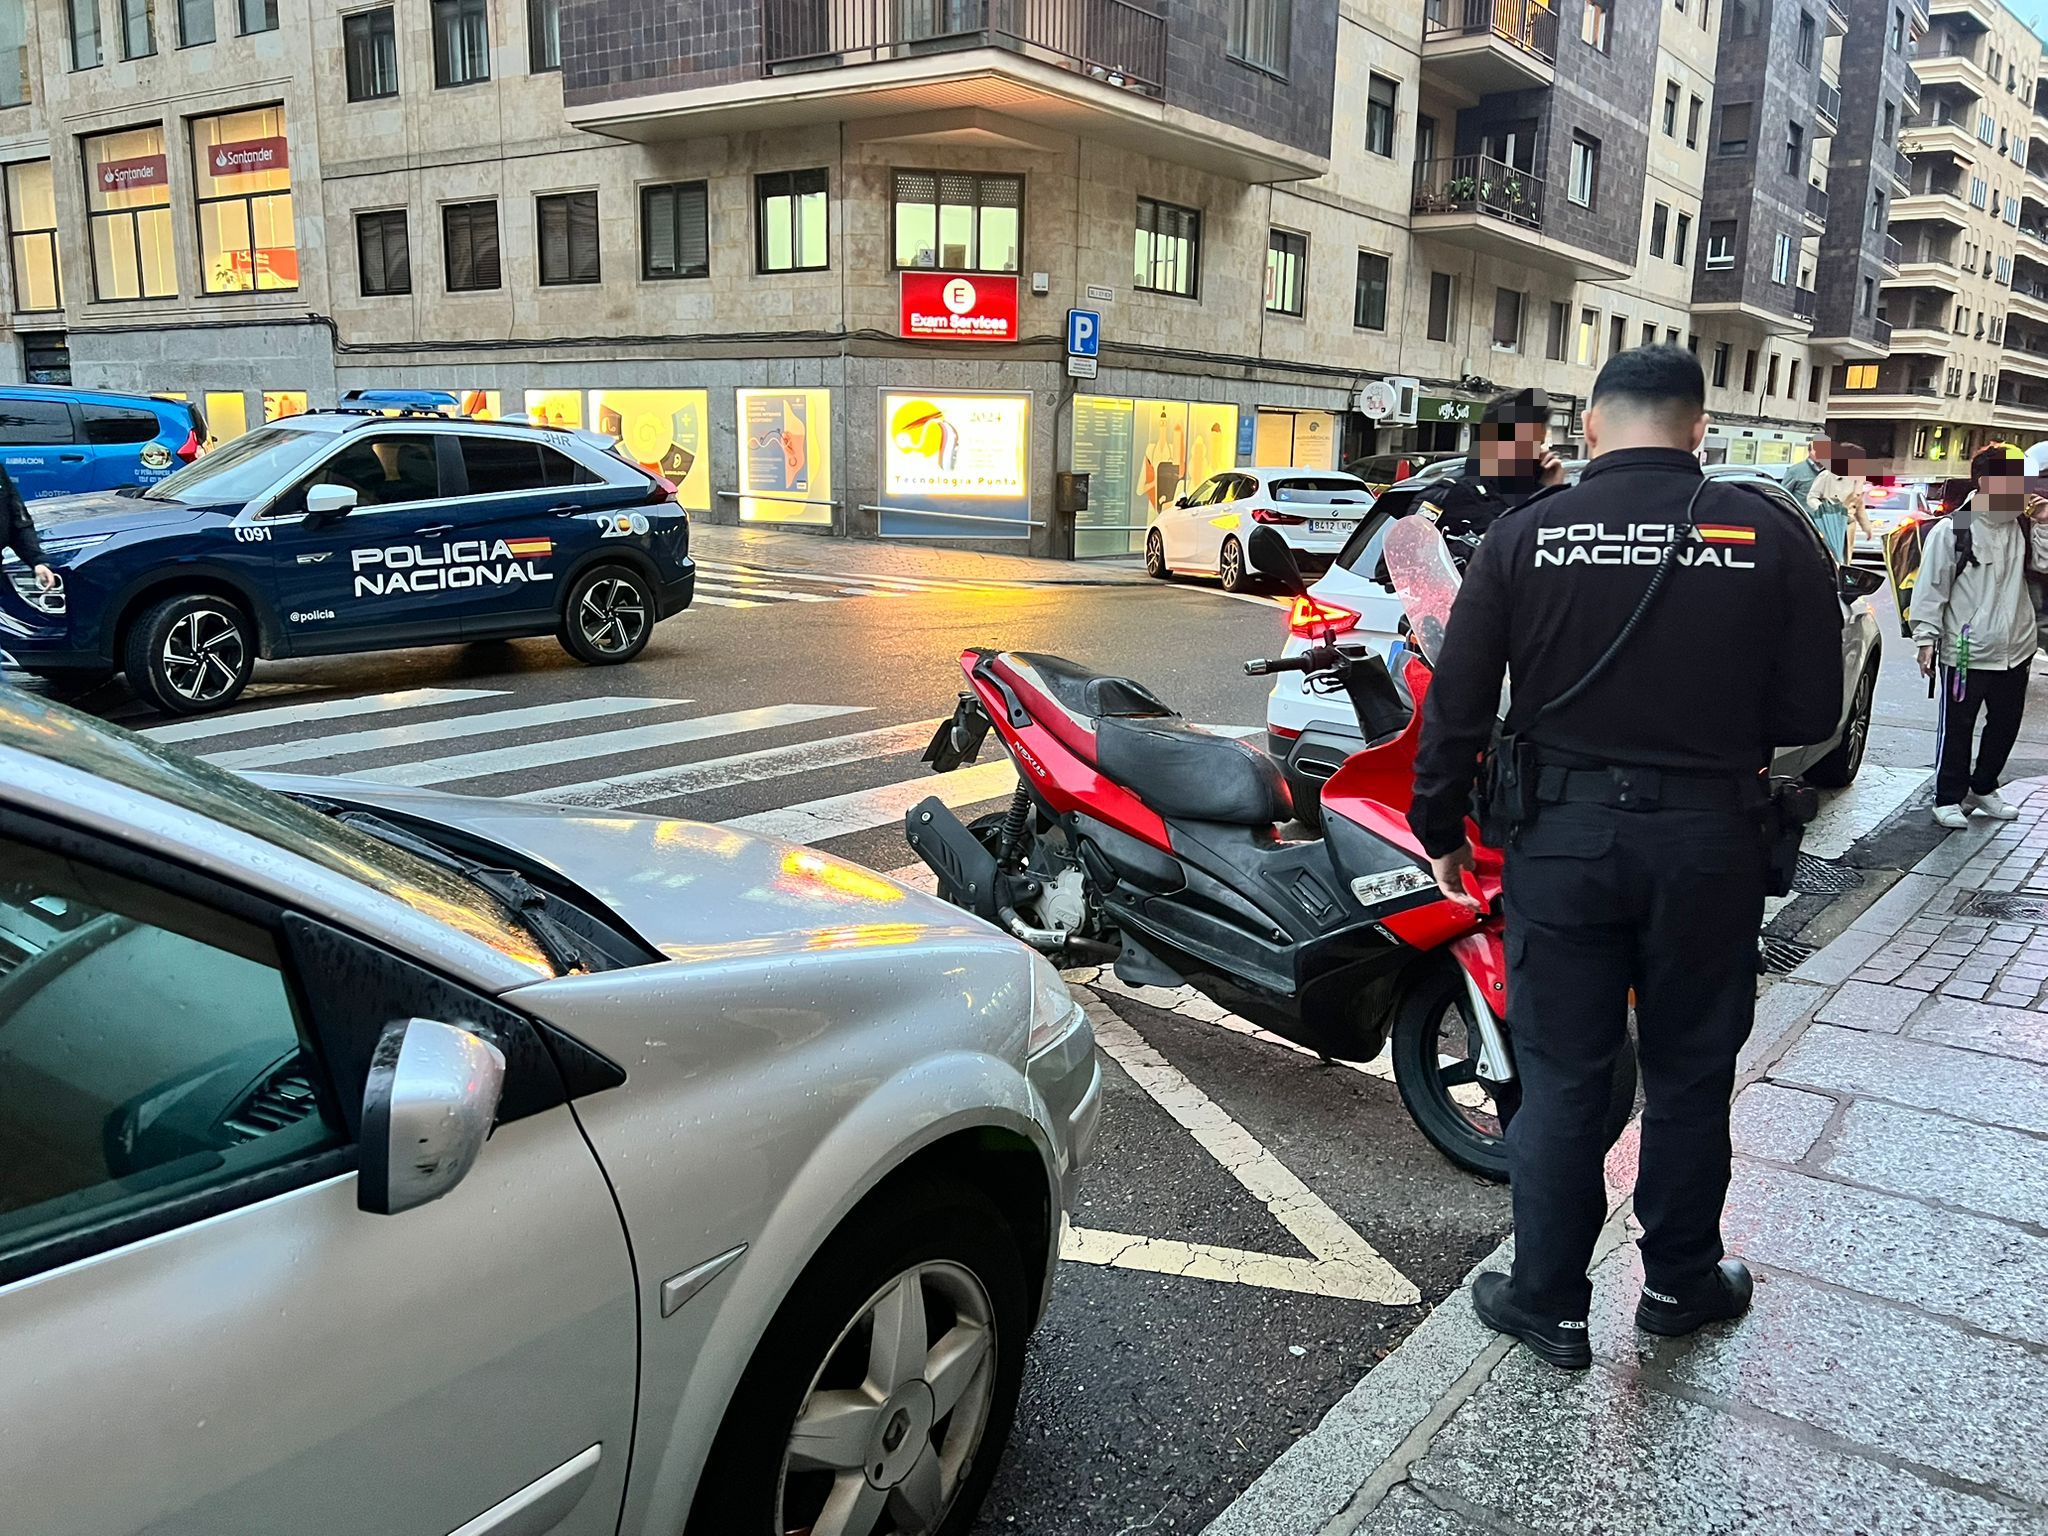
(1160, 433)
(1774, 453)
(785, 455)
(1140, 455)
(664, 430)
(967, 454)
(1102, 451)
(555, 407)
(279, 403)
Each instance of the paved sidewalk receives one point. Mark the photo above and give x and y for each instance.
(778, 549)
(1891, 1193)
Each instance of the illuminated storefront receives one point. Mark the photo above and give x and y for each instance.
(241, 171)
(955, 465)
(128, 211)
(1139, 456)
(667, 431)
(555, 407)
(785, 456)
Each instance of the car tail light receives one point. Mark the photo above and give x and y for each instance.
(191, 448)
(1312, 620)
(1280, 519)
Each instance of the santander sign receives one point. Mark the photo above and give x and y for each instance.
(247, 155)
(125, 175)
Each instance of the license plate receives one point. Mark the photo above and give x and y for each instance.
(1328, 525)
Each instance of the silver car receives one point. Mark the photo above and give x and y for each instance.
(375, 1160)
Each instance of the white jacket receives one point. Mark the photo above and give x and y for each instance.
(1990, 596)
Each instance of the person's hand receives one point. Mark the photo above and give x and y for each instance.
(1550, 468)
(1927, 661)
(1449, 870)
(45, 577)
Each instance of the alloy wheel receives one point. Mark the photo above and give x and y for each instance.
(1155, 555)
(612, 615)
(1859, 720)
(203, 655)
(1232, 568)
(889, 1429)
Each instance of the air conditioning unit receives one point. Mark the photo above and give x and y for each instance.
(1407, 399)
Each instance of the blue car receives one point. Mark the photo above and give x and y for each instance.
(341, 531)
(58, 442)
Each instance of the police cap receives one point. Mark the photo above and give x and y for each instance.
(1516, 406)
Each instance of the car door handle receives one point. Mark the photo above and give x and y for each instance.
(567, 509)
(72, 458)
(436, 529)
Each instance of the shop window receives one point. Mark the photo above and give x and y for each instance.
(675, 230)
(83, 17)
(32, 235)
(558, 408)
(469, 239)
(195, 23)
(1380, 96)
(1585, 169)
(1556, 335)
(280, 403)
(138, 28)
(1369, 305)
(462, 42)
(383, 253)
(16, 84)
(567, 224)
(1169, 249)
(258, 16)
(792, 221)
(956, 221)
(241, 164)
(1507, 320)
(369, 50)
(1261, 32)
(1443, 303)
(128, 215)
(543, 36)
(1286, 272)
(227, 416)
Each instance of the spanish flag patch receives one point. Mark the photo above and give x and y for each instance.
(530, 549)
(1723, 533)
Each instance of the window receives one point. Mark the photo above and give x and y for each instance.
(1746, 17)
(369, 49)
(1781, 258)
(500, 466)
(1692, 345)
(1649, 333)
(138, 28)
(1809, 30)
(1380, 95)
(462, 42)
(1749, 372)
(1507, 320)
(35, 423)
(1560, 324)
(790, 221)
(1720, 365)
(1260, 33)
(1891, 121)
(1169, 249)
(195, 22)
(1585, 169)
(1860, 376)
(675, 230)
(1589, 333)
(1671, 336)
(107, 425)
(1425, 140)
(128, 215)
(1443, 297)
(1693, 108)
(1771, 377)
(257, 16)
(1286, 272)
(84, 18)
(1617, 335)
(383, 253)
(1681, 239)
(1877, 211)
(543, 36)
(1369, 305)
(957, 221)
(469, 239)
(566, 223)
(1791, 379)
(1660, 219)
(1671, 109)
(242, 166)
(1814, 380)
(1734, 140)
(1720, 244)
(1795, 150)
(1898, 37)
(1596, 23)
(32, 235)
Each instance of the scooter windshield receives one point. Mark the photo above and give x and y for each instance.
(1426, 580)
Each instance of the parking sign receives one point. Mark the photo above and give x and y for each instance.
(1084, 333)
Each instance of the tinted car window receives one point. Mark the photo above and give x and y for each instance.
(1361, 552)
(559, 469)
(500, 464)
(35, 423)
(385, 470)
(107, 424)
(1326, 488)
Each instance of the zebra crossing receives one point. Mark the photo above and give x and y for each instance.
(739, 584)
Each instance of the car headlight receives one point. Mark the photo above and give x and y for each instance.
(30, 591)
(1054, 1013)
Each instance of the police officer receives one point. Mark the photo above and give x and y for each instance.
(20, 535)
(1511, 462)
(1644, 863)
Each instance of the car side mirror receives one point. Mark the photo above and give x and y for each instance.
(1857, 583)
(330, 500)
(1271, 557)
(1180, 501)
(428, 1108)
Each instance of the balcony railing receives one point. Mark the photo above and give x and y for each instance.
(1881, 332)
(1893, 251)
(1829, 101)
(1805, 303)
(1480, 184)
(1817, 202)
(1119, 41)
(1529, 26)
(1902, 168)
(1909, 92)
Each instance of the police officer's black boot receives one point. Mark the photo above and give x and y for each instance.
(1562, 1342)
(1723, 1295)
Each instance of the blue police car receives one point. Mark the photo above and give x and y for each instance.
(339, 531)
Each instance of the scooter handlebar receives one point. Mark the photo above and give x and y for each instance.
(1320, 658)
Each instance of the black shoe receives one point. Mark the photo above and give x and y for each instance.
(1719, 1298)
(1563, 1343)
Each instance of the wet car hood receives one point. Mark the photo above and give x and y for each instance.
(106, 512)
(690, 890)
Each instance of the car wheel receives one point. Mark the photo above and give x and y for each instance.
(1230, 566)
(882, 1396)
(190, 654)
(1839, 768)
(608, 617)
(1155, 557)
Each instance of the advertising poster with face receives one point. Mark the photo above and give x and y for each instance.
(662, 430)
(968, 454)
(785, 455)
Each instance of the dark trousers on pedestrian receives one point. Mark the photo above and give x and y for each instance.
(2002, 697)
(1599, 900)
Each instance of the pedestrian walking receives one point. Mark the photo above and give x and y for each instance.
(1512, 460)
(1836, 500)
(1664, 633)
(21, 532)
(1800, 477)
(1974, 624)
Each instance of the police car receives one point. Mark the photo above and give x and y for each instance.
(349, 531)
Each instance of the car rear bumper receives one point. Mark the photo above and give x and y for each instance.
(680, 590)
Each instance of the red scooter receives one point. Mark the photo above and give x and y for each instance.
(1138, 840)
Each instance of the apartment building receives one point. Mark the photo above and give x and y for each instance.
(1962, 298)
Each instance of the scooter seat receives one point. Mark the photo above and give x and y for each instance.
(1070, 701)
(1187, 773)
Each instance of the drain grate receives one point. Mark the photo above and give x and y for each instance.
(1818, 877)
(2004, 907)
(1783, 956)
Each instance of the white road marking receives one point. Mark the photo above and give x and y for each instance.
(326, 709)
(571, 749)
(917, 583)
(781, 595)
(741, 768)
(710, 601)
(837, 815)
(1248, 597)
(320, 748)
(1341, 1264)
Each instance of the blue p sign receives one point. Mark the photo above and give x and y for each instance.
(1084, 333)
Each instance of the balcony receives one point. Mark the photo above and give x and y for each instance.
(1921, 334)
(1934, 205)
(2034, 241)
(2030, 300)
(1864, 338)
(1891, 253)
(1485, 205)
(1924, 269)
(1015, 74)
(1900, 165)
(2021, 358)
(1805, 304)
(1940, 61)
(1942, 135)
(1977, 15)
(1838, 19)
(1827, 110)
(1817, 207)
(1909, 91)
(1482, 46)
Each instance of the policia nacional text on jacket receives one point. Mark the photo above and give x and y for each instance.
(1644, 866)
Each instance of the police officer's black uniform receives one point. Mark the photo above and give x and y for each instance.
(1466, 506)
(1645, 864)
(18, 530)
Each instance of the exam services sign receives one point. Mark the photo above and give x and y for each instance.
(954, 306)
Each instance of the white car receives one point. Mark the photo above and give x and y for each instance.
(1204, 532)
(1887, 509)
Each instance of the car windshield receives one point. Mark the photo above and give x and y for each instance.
(242, 469)
(1896, 501)
(92, 746)
(1323, 488)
